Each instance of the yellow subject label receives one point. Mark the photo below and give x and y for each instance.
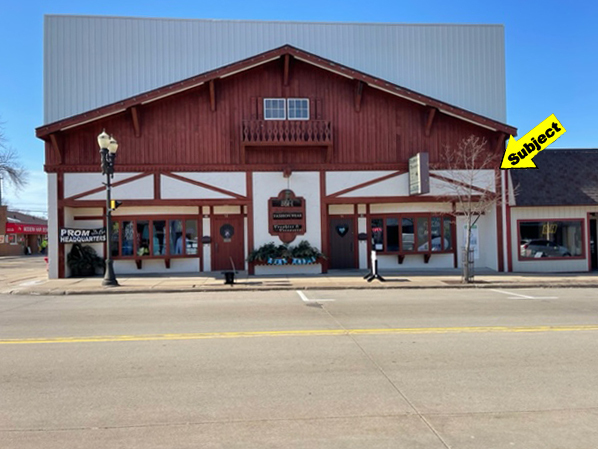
(519, 154)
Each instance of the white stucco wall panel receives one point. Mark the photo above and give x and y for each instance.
(172, 189)
(140, 189)
(341, 180)
(483, 179)
(76, 183)
(231, 181)
(269, 184)
(395, 186)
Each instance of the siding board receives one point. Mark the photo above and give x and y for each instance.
(182, 129)
(462, 65)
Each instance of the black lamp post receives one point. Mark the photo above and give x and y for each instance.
(108, 147)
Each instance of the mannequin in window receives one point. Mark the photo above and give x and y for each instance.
(178, 247)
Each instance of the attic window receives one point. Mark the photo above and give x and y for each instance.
(286, 108)
(274, 109)
(298, 108)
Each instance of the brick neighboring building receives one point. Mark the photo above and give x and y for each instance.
(18, 231)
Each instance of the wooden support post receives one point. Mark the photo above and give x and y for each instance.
(212, 96)
(135, 117)
(157, 187)
(500, 143)
(358, 95)
(287, 69)
(430, 121)
(56, 147)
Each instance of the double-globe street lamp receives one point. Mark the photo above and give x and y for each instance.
(108, 147)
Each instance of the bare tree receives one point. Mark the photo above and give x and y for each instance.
(469, 171)
(10, 167)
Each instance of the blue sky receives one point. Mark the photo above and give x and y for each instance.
(551, 57)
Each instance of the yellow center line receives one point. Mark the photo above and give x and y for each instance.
(302, 333)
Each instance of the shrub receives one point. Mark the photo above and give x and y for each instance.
(83, 261)
(303, 250)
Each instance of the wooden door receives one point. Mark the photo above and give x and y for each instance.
(593, 245)
(342, 242)
(228, 241)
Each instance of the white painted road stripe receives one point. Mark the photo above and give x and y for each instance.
(524, 296)
(306, 299)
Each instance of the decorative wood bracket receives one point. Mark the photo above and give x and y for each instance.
(287, 69)
(430, 121)
(56, 147)
(359, 85)
(212, 96)
(500, 143)
(135, 118)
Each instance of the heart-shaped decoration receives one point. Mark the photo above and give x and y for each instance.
(342, 230)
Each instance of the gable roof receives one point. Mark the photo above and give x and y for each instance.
(92, 61)
(563, 178)
(19, 217)
(196, 81)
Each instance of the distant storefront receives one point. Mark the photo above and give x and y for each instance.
(553, 213)
(21, 233)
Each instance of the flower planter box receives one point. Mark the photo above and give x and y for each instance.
(289, 266)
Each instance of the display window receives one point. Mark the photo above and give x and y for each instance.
(412, 233)
(154, 237)
(550, 239)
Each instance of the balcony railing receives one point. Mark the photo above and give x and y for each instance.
(287, 132)
(281, 133)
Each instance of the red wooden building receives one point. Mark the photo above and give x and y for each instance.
(206, 166)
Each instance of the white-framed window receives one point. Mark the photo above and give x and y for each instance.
(274, 109)
(286, 108)
(298, 108)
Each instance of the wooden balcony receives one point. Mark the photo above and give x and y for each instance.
(286, 133)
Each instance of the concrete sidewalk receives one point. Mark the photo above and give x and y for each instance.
(26, 275)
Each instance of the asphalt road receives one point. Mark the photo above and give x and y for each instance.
(331, 369)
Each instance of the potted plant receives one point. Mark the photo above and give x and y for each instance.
(83, 261)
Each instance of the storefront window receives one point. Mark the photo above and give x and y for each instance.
(550, 239)
(155, 238)
(392, 234)
(422, 233)
(377, 234)
(191, 237)
(143, 242)
(418, 233)
(176, 237)
(436, 233)
(448, 238)
(115, 239)
(127, 236)
(407, 234)
(159, 238)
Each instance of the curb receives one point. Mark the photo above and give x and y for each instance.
(125, 290)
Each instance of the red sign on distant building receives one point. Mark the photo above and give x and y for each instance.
(14, 228)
